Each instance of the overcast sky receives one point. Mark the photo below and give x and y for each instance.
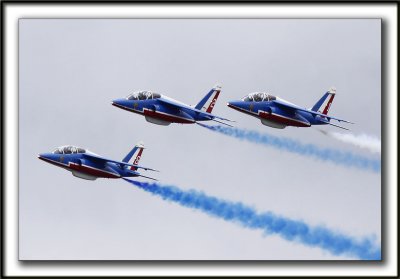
(70, 70)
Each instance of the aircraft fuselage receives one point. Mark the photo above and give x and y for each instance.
(157, 112)
(274, 116)
(84, 168)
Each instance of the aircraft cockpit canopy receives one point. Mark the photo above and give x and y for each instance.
(143, 95)
(69, 149)
(258, 97)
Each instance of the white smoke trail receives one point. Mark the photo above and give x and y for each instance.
(371, 143)
(311, 150)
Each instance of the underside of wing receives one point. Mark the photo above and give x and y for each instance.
(148, 177)
(222, 122)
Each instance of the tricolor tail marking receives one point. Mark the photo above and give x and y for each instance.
(328, 105)
(208, 102)
(214, 100)
(137, 159)
(324, 104)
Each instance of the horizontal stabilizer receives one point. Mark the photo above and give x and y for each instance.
(222, 123)
(326, 122)
(142, 176)
(345, 121)
(148, 177)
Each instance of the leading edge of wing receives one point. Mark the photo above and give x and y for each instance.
(103, 160)
(286, 105)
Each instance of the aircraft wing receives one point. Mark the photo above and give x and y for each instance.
(293, 107)
(104, 161)
(203, 113)
(173, 104)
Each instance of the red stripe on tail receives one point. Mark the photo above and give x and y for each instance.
(212, 104)
(328, 105)
(137, 159)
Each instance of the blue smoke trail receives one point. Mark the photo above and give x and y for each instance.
(326, 154)
(248, 217)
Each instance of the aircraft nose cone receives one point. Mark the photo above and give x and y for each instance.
(115, 102)
(44, 156)
(234, 104)
(119, 102)
(48, 157)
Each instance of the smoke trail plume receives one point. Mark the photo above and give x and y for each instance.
(327, 154)
(336, 243)
(371, 143)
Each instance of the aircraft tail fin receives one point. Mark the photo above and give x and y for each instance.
(138, 150)
(207, 103)
(323, 105)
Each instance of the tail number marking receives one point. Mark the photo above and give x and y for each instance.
(136, 160)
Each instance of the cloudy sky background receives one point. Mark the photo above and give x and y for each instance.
(70, 70)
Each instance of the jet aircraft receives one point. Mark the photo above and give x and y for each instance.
(88, 165)
(162, 110)
(278, 113)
